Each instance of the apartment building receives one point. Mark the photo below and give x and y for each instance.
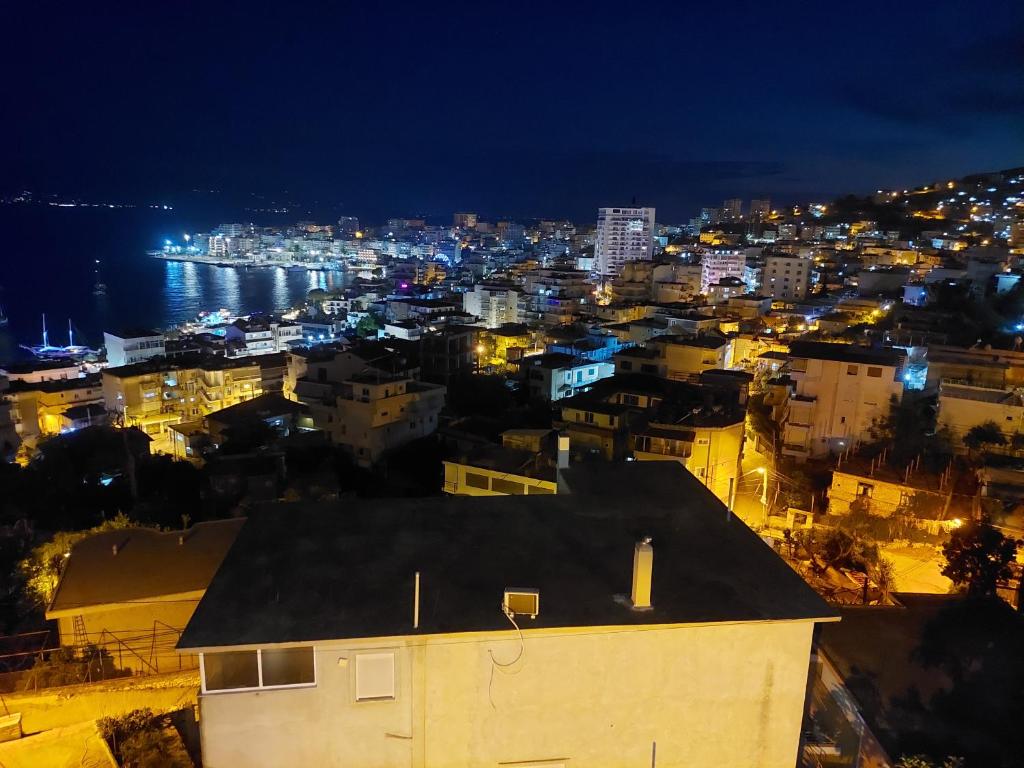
(155, 394)
(709, 445)
(786, 277)
(132, 345)
(368, 414)
(674, 357)
(38, 408)
(554, 375)
(717, 263)
(554, 296)
(495, 303)
(835, 393)
(435, 632)
(623, 235)
(261, 336)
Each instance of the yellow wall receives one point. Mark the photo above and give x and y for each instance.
(884, 499)
(127, 632)
(720, 696)
(456, 484)
(714, 457)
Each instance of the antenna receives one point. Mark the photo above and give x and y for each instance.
(416, 603)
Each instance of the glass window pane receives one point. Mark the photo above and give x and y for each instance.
(287, 666)
(232, 669)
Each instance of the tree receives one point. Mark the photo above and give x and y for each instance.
(978, 556)
(43, 566)
(368, 325)
(984, 434)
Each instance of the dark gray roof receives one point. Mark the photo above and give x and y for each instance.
(309, 572)
(262, 407)
(846, 353)
(148, 564)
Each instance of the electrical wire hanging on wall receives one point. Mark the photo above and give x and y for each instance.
(502, 666)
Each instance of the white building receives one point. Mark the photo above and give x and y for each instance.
(556, 375)
(838, 392)
(495, 303)
(132, 346)
(261, 336)
(786, 277)
(717, 263)
(962, 406)
(525, 630)
(623, 234)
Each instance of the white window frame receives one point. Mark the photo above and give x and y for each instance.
(259, 673)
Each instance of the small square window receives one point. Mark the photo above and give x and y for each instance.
(375, 676)
(851, 370)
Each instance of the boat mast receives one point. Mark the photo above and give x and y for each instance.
(71, 334)
(46, 342)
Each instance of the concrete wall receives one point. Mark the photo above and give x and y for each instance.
(70, 704)
(959, 414)
(140, 637)
(727, 696)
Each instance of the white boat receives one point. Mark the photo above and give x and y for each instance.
(50, 352)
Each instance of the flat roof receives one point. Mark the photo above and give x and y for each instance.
(845, 353)
(133, 333)
(322, 571)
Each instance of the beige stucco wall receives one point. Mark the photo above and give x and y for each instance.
(721, 696)
(140, 637)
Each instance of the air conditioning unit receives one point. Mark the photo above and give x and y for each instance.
(521, 601)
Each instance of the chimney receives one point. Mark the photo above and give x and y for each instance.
(643, 565)
(563, 451)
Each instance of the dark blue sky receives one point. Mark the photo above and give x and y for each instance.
(520, 108)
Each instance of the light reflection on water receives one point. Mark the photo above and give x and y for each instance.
(190, 288)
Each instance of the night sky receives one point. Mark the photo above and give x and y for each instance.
(512, 108)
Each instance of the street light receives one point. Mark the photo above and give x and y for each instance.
(764, 487)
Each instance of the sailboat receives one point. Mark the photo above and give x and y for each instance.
(50, 352)
(3, 317)
(99, 288)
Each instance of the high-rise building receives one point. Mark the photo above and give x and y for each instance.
(786, 276)
(732, 209)
(718, 263)
(464, 220)
(760, 209)
(623, 234)
(348, 226)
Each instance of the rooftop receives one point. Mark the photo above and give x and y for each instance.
(845, 353)
(148, 564)
(262, 407)
(159, 365)
(134, 333)
(577, 549)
